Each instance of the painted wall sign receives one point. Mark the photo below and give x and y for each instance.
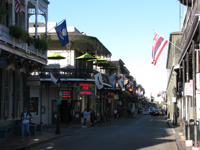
(85, 88)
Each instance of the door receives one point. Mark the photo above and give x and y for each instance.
(76, 111)
(54, 112)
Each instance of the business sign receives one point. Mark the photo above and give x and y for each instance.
(65, 94)
(110, 96)
(174, 99)
(32, 81)
(189, 88)
(85, 88)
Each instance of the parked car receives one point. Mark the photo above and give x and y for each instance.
(156, 112)
(151, 108)
(146, 112)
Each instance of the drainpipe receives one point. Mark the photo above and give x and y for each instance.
(187, 97)
(194, 95)
(184, 99)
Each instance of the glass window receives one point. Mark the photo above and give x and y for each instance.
(33, 105)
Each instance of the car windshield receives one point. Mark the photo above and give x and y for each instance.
(156, 110)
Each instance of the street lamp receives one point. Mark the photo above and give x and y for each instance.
(58, 101)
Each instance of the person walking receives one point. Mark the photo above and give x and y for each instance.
(25, 117)
(93, 117)
(85, 114)
(132, 112)
(115, 113)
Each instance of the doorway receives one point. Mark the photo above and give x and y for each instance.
(65, 108)
(77, 105)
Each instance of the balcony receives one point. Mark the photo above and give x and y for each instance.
(187, 2)
(71, 74)
(18, 43)
(189, 24)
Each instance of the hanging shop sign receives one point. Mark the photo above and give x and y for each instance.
(32, 81)
(85, 88)
(110, 96)
(116, 96)
(65, 94)
(189, 88)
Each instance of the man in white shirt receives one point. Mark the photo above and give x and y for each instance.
(25, 117)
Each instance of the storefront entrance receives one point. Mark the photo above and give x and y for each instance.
(65, 116)
(76, 105)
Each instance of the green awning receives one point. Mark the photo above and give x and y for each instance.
(55, 56)
(85, 56)
(102, 63)
(98, 58)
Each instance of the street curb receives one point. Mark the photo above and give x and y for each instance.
(178, 143)
(170, 124)
(40, 143)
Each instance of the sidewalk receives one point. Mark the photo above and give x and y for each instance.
(180, 143)
(48, 134)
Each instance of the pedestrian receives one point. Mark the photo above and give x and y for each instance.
(129, 113)
(132, 112)
(85, 114)
(25, 117)
(93, 117)
(115, 113)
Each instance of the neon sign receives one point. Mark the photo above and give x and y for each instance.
(65, 94)
(85, 88)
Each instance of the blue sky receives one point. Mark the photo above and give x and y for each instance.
(126, 29)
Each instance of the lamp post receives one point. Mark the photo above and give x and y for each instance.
(58, 101)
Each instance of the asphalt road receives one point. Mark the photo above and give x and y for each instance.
(144, 132)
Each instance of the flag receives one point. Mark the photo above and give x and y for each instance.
(98, 80)
(53, 79)
(159, 44)
(17, 6)
(121, 83)
(159, 94)
(61, 31)
(112, 80)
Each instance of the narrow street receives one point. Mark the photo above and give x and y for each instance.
(144, 132)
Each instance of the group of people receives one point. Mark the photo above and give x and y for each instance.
(92, 117)
(130, 113)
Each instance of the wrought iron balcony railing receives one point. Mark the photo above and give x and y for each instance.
(71, 73)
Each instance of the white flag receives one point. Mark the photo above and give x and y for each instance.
(53, 79)
(98, 80)
(121, 83)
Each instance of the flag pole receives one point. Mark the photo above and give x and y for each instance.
(169, 41)
(56, 25)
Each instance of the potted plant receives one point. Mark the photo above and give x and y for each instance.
(41, 44)
(19, 33)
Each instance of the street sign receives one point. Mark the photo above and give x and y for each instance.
(189, 88)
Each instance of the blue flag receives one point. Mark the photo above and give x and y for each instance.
(61, 31)
(112, 80)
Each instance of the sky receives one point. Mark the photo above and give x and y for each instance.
(125, 28)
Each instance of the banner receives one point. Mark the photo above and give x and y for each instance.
(53, 79)
(121, 83)
(112, 80)
(98, 80)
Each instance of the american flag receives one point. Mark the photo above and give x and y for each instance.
(159, 44)
(17, 6)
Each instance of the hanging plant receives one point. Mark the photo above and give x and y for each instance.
(19, 33)
(3, 11)
(41, 45)
(15, 31)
